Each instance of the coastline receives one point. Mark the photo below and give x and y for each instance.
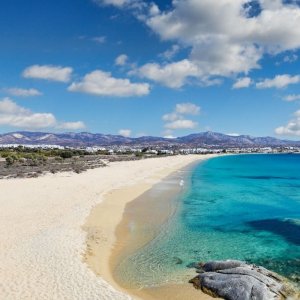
(43, 244)
(108, 231)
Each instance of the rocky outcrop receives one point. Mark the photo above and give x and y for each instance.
(236, 280)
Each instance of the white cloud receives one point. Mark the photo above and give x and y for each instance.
(242, 83)
(233, 134)
(125, 132)
(290, 98)
(121, 60)
(187, 109)
(292, 128)
(99, 39)
(101, 83)
(279, 81)
(181, 124)
(210, 28)
(170, 53)
(170, 137)
(72, 125)
(180, 110)
(135, 4)
(11, 114)
(48, 72)
(225, 37)
(173, 75)
(290, 58)
(18, 92)
(14, 115)
(175, 120)
(153, 9)
(170, 117)
(118, 3)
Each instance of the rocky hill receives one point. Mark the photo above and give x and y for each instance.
(203, 139)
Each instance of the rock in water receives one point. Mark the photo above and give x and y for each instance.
(236, 280)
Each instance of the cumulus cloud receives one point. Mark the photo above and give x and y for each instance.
(72, 125)
(125, 132)
(187, 109)
(14, 115)
(121, 60)
(11, 114)
(210, 28)
(101, 83)
(292, 128)
(19, 92)
(242, 83)
(291, 98)
(48, 72)
(225, 37)
(173, 75)
(176, 119)
(180, 110)
(170, 117)
(181, 124)
(278, 82)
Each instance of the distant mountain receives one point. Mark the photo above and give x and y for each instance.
(220, 139)
(203, 139)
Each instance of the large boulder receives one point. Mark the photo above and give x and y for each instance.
(236, 280)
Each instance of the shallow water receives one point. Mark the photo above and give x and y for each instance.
(234, 207)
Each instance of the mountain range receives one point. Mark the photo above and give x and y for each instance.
(202, 139)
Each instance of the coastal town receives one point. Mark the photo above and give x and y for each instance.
(156, 150)
(27, 160)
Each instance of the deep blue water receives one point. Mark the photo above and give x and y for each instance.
(235, 207)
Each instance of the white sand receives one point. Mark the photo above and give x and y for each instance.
(42, 241)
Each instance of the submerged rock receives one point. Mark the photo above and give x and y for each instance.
(236, 280)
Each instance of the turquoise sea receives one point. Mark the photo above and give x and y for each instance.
(243, 207)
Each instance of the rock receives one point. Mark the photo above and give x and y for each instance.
(236, 280)
(193, 265)
(221, 265)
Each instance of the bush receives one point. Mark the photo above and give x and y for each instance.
(66, 154)
(9, 160)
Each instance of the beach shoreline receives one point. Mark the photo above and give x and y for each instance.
(102, 260)
(43, 241)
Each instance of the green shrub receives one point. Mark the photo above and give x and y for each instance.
(139, 154)
(66, 154)
(9, 160)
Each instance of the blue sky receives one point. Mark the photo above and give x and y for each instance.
(151, 68)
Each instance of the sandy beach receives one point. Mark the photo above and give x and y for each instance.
(46, 221)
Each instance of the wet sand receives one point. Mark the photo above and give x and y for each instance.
(142, 220)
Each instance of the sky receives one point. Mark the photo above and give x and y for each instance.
(160, 68)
